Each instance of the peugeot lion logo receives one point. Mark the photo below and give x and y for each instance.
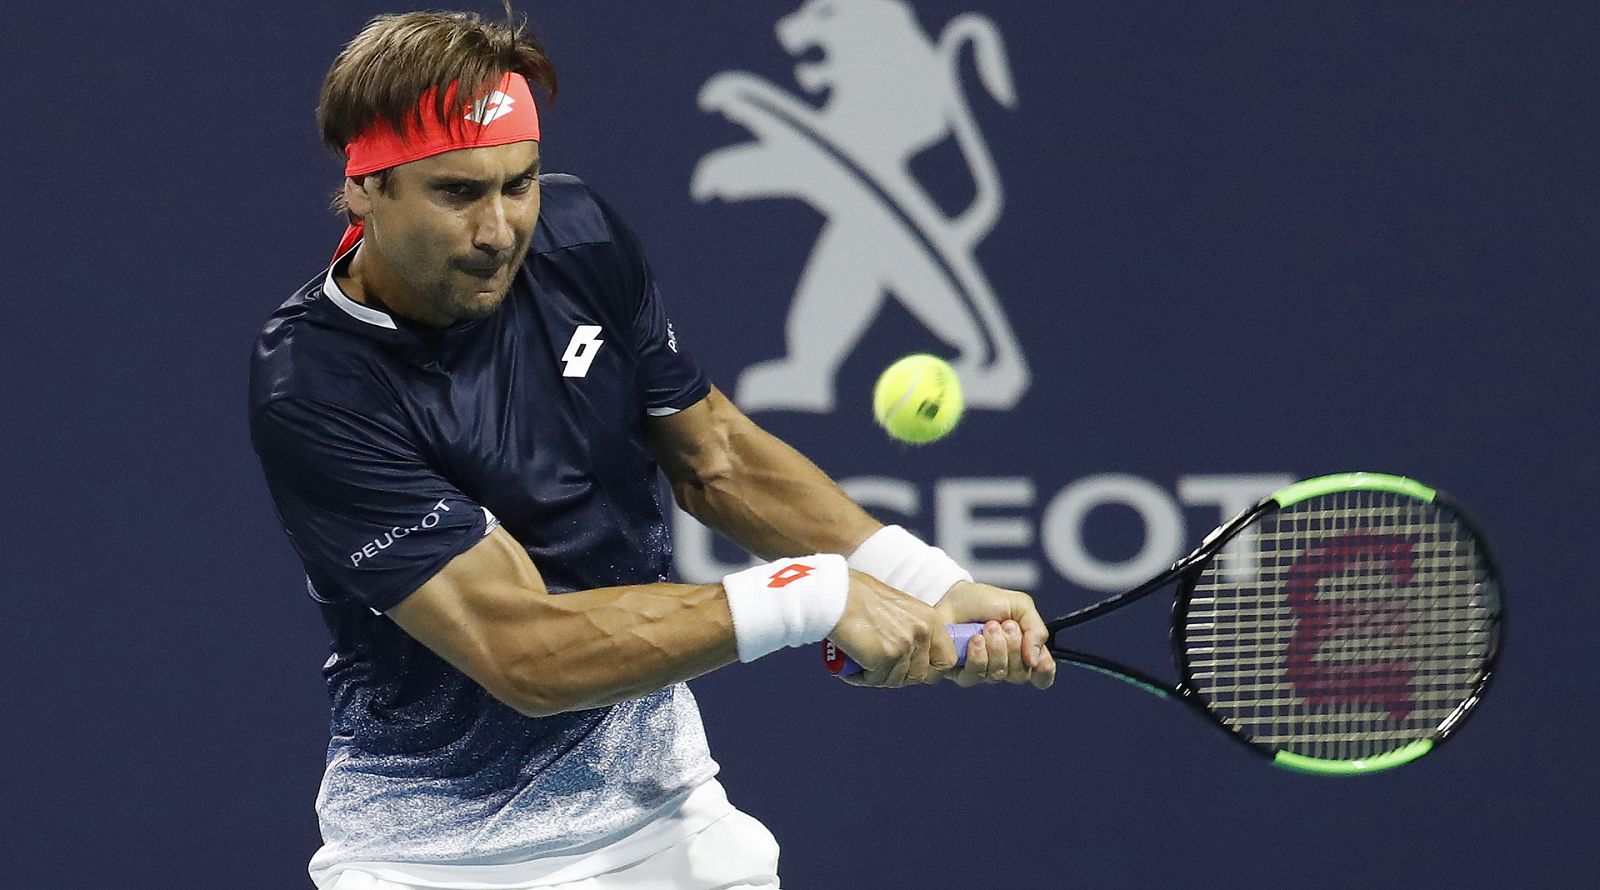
(892, 92)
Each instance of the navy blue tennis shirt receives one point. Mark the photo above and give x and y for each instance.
(390, 449)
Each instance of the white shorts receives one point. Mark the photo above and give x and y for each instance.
(733, 852)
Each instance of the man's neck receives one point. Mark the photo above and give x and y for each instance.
(366, 283)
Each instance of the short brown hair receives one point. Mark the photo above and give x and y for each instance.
(380, 75)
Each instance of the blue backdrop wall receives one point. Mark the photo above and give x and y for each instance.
(1184, 251)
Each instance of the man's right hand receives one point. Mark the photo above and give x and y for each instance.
(898, 639)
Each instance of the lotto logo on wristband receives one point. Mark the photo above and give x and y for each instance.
(789, 574)
(770, 611)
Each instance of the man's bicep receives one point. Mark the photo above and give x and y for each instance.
(476, 611)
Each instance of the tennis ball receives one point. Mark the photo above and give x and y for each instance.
(918, 399)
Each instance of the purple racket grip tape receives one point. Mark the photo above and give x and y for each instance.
(842, 665)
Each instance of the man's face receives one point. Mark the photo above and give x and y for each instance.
(445, 239)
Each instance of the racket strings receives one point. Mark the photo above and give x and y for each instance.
(1343, 627)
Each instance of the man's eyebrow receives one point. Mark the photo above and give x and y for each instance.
(450, 179)
(453, 179)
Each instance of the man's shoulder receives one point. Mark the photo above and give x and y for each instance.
(300, 354)
(571, 214)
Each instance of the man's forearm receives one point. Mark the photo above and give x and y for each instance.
(769, 498)
(487, 612)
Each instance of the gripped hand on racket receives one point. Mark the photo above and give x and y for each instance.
(1009, 643)
(896, 640)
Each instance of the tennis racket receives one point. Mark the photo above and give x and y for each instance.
(1352, 626)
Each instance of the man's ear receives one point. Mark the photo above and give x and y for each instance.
(356, 196)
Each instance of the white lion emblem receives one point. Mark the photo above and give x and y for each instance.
(891, 93)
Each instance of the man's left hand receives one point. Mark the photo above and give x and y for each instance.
(1011, 647)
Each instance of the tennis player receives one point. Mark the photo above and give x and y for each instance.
(462, 422)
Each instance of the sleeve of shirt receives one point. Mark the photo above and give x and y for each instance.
(669, 377)
(369, 517)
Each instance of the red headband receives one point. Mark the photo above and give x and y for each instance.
(505, 115)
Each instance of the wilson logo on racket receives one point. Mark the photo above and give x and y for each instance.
(1354, 626)
(832, 656)
(1337, 650)
(789, 574)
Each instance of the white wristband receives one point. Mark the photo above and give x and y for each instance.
(899, 559)
(788, 602)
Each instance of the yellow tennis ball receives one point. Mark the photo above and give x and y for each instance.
(918, 399)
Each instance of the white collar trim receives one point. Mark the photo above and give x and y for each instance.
(351, 307)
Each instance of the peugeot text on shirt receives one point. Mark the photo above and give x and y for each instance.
(372, 547)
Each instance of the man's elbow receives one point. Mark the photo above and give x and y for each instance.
(539, 702)
(710, 470)
(529, 690)
(695, 489)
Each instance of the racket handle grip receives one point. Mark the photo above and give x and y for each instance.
(842, 665)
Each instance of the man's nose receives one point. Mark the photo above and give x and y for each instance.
(492, 229)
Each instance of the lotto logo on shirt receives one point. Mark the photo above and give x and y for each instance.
(581, 350)
(386, 540)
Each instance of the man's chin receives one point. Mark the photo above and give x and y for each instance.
(469, 306)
